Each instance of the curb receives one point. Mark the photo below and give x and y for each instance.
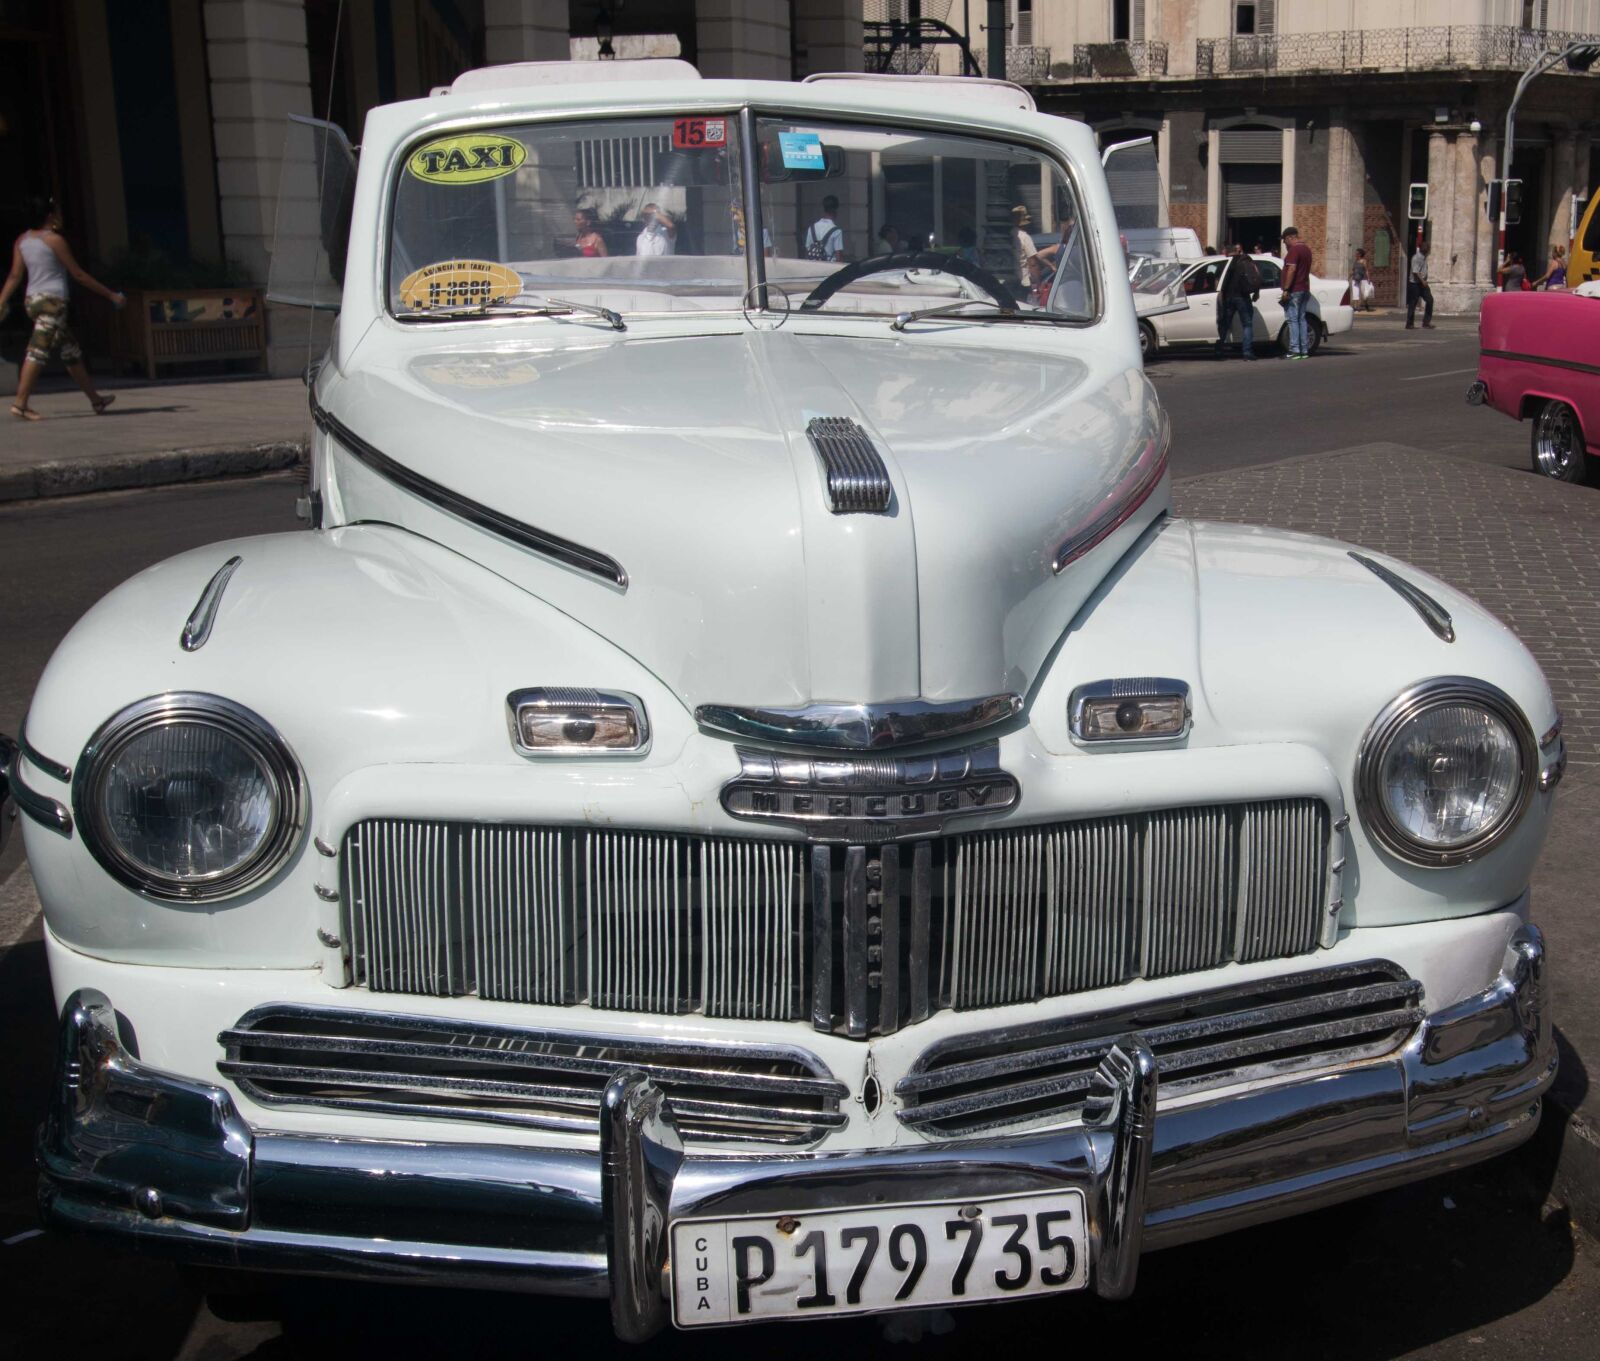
(76, 477)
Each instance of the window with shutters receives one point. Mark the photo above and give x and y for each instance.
(1127, 21)
(1024, 24)
(1251, 17)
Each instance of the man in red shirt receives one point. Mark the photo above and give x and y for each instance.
(1296, 291)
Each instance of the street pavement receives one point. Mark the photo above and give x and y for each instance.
(1371, 441)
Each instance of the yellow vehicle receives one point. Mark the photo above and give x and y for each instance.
(1583, 261)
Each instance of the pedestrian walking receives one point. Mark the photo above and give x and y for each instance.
(1241, 286)
(1514, 276)
(42, 256)
(586, 238)
(825, 238)
(1361, 289)
(1556, 276)
(1296, 296)
(1417, 289)
(1026, 255)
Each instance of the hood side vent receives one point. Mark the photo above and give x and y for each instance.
(858, 482)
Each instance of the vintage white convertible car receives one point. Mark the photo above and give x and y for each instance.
(1199, 283)
(744, 802)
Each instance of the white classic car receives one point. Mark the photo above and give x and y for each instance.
(745, 803)
(1329, 312)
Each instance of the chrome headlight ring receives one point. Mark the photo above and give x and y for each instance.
(1394, 718)
(264, 746)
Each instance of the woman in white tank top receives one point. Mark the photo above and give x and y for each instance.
(43, 257)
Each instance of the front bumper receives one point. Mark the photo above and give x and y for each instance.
(167, 1164)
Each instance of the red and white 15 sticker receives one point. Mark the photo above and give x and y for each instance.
(690, 133)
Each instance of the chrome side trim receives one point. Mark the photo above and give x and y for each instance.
(859, 727)
(1134, 687)
(42, 809)
(858, 481)
(1407, 705)
(198, 626)
(1434, 615)
(540, 541)
(55, 769)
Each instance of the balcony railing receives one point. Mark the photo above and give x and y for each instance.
(1101, 60)
(1024, 65)
(1463, 47)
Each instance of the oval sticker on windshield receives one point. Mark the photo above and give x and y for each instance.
(468, 159)
(459, 283)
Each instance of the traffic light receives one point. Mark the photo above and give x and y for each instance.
(1417, 204)
(1513, 202)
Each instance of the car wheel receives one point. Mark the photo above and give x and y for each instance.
(1558, 450)
(1283, 338)
(1316, 334)
(1148, 344)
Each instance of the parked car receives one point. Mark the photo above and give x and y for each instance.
(1539, 361)
(744, 801)
(1328, 313)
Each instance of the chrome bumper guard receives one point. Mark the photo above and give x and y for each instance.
(167, 1164)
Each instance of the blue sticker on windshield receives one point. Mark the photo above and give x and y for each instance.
(801, 151)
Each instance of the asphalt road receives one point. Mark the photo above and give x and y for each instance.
(1477, 1264)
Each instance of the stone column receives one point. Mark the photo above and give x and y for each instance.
(1441, 200)
(1487, 231)
(525, 30)
(747, 38)
(1346, 194)
(1561, 182)
(827, 36)
(1580, 169)
(256, 56)
(1464, 231)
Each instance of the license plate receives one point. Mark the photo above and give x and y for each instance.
(874, 1258)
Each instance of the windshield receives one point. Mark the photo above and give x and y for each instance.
(646, 215)
(634, 215)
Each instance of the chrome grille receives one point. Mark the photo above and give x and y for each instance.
(537, 1079)
(1041, 1073)
(1042, 911)
(863, 939)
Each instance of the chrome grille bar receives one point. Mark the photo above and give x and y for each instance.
(423, 1066)
(1042, 1073)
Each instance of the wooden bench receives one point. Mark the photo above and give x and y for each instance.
(190, 326)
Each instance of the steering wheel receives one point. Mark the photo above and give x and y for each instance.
(917, 259)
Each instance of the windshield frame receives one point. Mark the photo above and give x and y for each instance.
(747, 114)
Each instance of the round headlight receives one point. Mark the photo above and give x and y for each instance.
(188, 797)
(1445, 771)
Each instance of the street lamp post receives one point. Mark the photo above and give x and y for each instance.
(1578, 57)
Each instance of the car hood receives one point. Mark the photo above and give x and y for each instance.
(686, 460)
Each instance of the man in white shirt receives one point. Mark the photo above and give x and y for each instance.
(659, 235)
(825, 239)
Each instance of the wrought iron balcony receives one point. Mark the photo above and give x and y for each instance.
(1102, 60)
(1455, 47)
(1024, 65)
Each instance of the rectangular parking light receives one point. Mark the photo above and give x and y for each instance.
(1129, 710)
(566, 721)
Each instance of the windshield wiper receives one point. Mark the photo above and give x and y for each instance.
(998, 312)
(544, 307)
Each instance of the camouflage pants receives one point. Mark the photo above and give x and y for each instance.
(50, 330)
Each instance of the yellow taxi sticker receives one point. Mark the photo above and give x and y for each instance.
(459, 283)
(469, 159)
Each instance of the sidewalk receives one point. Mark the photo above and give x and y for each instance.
(155, 433)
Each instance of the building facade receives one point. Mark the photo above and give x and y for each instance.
(158, 125)
(1322, 113)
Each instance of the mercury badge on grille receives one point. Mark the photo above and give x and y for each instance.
(869, 798)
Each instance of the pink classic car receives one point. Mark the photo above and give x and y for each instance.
(1539, 359)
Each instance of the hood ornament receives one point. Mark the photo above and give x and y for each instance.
(858, 481)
